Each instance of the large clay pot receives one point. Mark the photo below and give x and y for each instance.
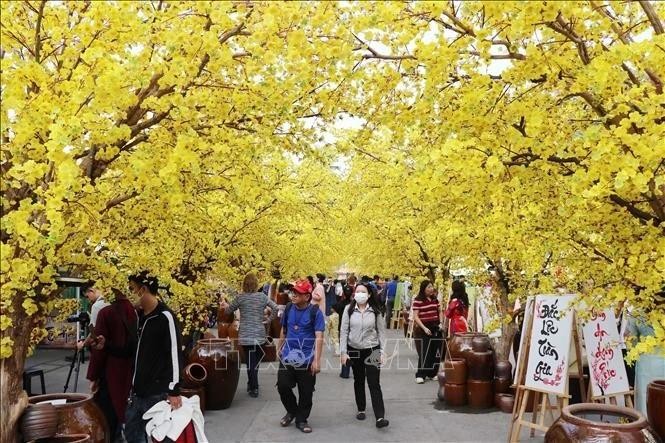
(480, 343)
(455, 394)
(480, 394)
(223, 367)
(269, 350)
(194, 375)
(275, 328)
(480, 365)
(594, 422)
(656, 406)
(504, 402)
(502, 385)
(440, 393)
(223, 317)
(79, 415)
(72, 438)
(200, 391)
(459, 345)
(39, 421)
(503, 369)
(455, 370)
(223, 330)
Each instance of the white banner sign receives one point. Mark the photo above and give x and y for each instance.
(547, 368)
(606, 367)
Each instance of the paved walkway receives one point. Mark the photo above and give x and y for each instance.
(414, 412)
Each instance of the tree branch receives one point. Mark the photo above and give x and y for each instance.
(635, 211)
(118, 201)
(38, 30)
(652, 15)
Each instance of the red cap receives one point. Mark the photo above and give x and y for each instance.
(302, 286)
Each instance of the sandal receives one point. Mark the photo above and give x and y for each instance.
(304, 427)
(286, 420)
(360, 415)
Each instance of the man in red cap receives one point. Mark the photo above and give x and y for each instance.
(301, 344)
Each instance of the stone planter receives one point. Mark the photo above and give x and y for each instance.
(221, 363)
(656, 406)
(39, 421)
(594, 422)
(78, 415)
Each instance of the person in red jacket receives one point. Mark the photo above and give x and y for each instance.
(111, 361)
(458, 308)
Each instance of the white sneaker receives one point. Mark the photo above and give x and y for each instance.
(420, 380)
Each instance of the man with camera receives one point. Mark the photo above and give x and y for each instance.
(110, 369)
(97, 302)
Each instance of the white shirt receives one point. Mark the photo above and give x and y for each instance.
(96, 307)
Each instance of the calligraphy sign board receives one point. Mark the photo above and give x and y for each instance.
(606, 368)
(547, 368)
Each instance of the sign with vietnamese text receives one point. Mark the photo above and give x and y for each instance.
(606, 367)
(547, 368)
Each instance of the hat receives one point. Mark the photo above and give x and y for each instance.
(302, 286)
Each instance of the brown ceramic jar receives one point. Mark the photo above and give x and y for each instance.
(223, 367)
(441, 377)
(595, 422)
(455, 394)
(269, 350)
(39, 421)
(480, 343)
(502, 385)
(480, 394)
(200, 391)
(480, 365)
(194, 375)
(656, 406)
(72, 438)
(459, 345)
(455, 370)
(504, 402)
(503, 369)
(79, 415)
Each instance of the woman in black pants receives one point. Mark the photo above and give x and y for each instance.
(362, 341)
(428, 318)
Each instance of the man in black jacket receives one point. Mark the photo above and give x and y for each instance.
(158, 358)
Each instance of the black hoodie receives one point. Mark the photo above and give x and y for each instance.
(158, 357)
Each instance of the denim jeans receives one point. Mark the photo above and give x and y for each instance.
(254, 355)
(134, 423)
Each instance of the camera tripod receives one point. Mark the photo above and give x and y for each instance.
(79, 357)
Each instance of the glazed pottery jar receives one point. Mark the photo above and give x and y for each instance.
(455, 394)
(223, 367)
(595, 422)
(502, 385)
(269, 350)
(72, 438)
(503, 369)
(455, 370)
(656, 406)
(504, 402)
(441, 377)
(480, 343)
(39, 421)
(200, 391)
(194, 375)
(405, 322)
(480, 394)
(79, 414)
(480, 365)
(460, 345)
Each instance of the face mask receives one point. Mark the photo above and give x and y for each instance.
(361, 297)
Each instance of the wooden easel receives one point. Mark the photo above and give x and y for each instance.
(542, 403)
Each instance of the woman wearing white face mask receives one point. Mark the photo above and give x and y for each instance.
(362, 345)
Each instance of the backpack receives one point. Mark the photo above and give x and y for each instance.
(312, 315)
(131, 332)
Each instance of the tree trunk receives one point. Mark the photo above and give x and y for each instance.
(13, 399)
(508, 330)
